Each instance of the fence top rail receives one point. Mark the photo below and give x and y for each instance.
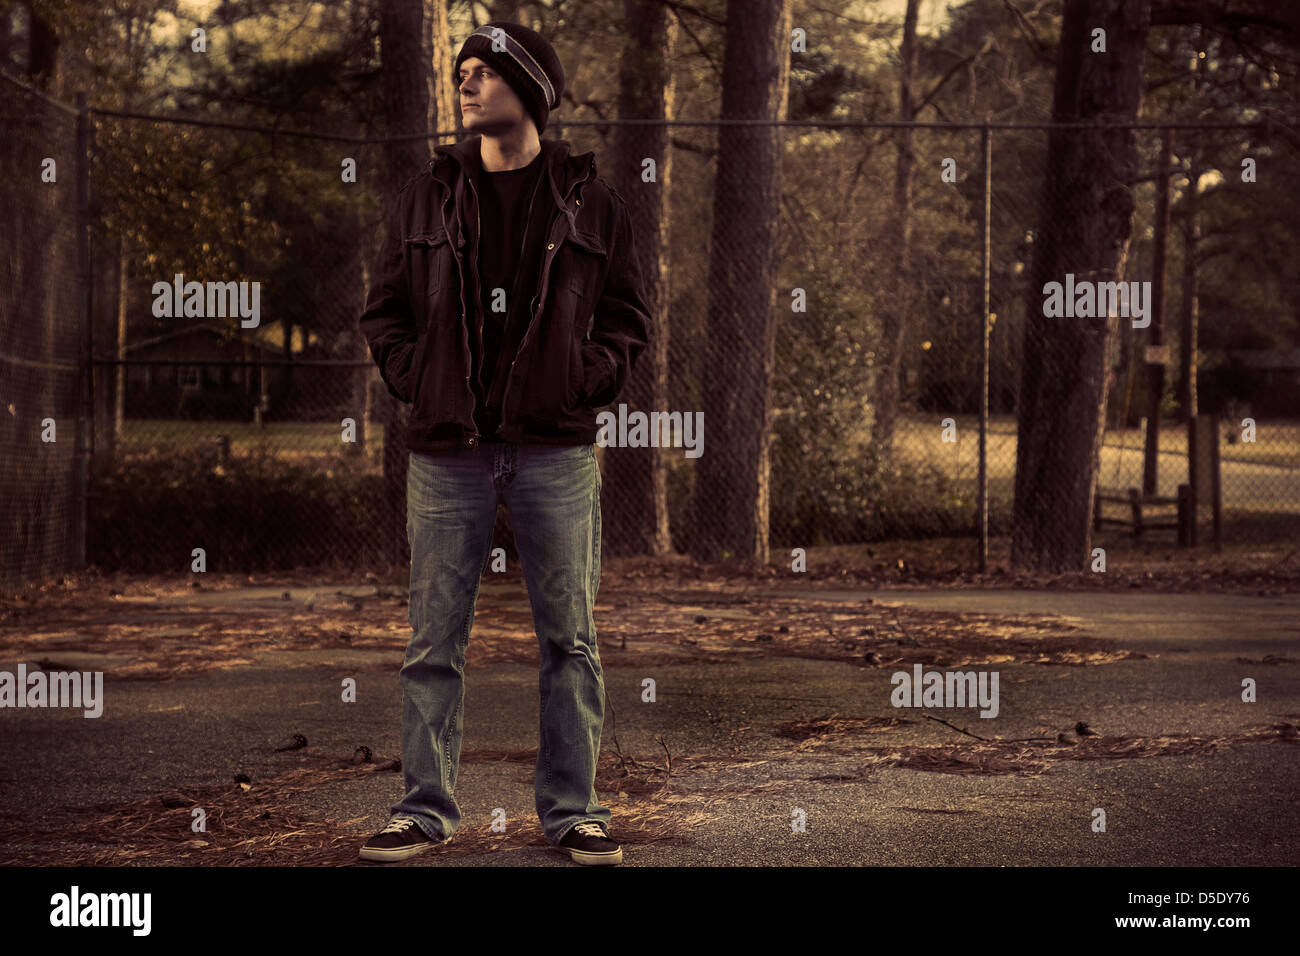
(71, 110)
(40, 94)
(1262, 124)
(233, 363)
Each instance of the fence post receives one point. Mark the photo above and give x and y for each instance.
(1216, 482)
(85, 442)
(1185, 517)
(986, 152)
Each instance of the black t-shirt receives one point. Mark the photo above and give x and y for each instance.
(504, 199)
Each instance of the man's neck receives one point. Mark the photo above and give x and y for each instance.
(512, 151)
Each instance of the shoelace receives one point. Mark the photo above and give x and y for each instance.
(397, 826)
(590, 829)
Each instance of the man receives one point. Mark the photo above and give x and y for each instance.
(506, 306)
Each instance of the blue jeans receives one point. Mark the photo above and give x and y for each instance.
(553, 495)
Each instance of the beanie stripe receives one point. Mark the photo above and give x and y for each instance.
(525, 59)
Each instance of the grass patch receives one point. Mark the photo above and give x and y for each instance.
(286, 439)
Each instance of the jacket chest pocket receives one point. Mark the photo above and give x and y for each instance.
(429, 263)
(581, 263)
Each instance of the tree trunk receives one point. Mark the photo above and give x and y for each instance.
(1085, 220)
(1187, 402)
(732, 478)
(122, 302)
(1156, 334)
(362, 377)
(111, 311)
(405, 95)
(105, 313)
(898, 234)
(43, 64)
(438, 54)
(636, 513)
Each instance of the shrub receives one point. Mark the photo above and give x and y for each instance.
(256, 512)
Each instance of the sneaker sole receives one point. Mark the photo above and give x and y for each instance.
(396, 854)
(588, 858)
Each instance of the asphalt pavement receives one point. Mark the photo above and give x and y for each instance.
(1235, 805)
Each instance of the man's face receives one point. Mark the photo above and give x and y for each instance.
(487, 103)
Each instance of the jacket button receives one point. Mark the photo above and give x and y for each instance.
(579, 202)
(471, 442)
(550, 245)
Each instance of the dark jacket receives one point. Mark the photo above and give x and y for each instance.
(587, 320)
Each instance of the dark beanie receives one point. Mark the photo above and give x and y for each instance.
(526, 61)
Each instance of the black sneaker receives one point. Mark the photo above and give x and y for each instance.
(587, 843)
(402, 838)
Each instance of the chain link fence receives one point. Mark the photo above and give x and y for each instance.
(40, 337)
(254, 434)
(1219, 358)
(261, 435)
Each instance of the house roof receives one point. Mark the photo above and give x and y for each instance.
(1266, 358)
(264, 337)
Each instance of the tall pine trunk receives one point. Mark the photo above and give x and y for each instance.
(732, 477)
(898, 304)
(1085, 220)
(636, 514)
(406, 102)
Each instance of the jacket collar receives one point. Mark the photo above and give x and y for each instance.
(561, 166)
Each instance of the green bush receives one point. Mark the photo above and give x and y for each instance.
(257, 512)
(844, 493)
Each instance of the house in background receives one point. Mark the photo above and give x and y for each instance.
(1267, 381)
(204, 387)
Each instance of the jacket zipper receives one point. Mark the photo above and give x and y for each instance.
(478, 233)
(546, 278)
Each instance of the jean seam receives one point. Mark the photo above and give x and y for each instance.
(546, 780)
(594, 577)
(459, 657)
